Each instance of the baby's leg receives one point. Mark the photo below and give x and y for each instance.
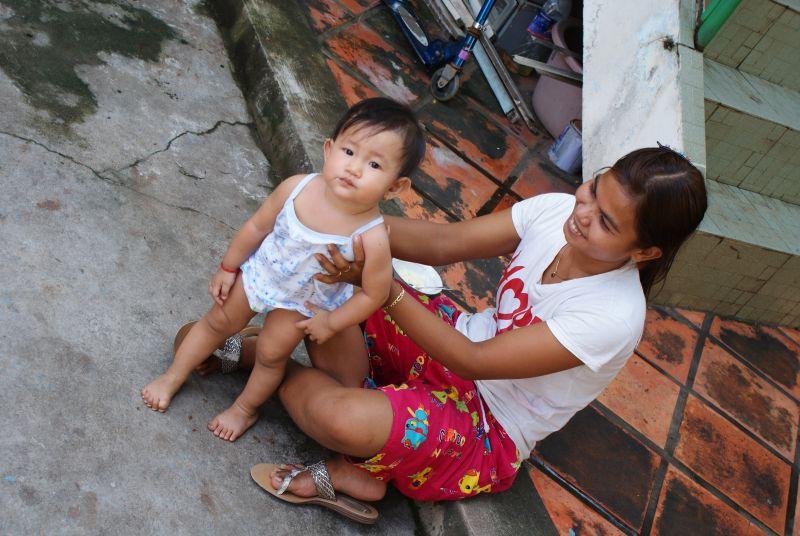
(274, 346)
(205, 336)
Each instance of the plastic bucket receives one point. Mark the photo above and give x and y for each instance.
(565, 152)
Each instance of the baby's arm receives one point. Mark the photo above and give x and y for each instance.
(376, 280)
(249, 237)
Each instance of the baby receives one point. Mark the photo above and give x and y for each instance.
(270, 264)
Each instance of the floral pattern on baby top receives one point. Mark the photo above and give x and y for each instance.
(279, 274)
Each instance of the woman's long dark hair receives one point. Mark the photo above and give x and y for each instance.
(671, 200)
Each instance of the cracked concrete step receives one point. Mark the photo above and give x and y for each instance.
(289, 89)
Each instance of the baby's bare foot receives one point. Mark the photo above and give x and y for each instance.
(232, 423)
(158, 393)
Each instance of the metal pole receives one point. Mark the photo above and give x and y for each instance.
(712, 19)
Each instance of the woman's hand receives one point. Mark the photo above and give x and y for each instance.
(338, 269)
(220, 285)
(318, 328)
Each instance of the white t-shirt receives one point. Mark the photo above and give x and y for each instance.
(598, 318)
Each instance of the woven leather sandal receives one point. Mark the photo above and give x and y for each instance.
(230, 352)
(347, 506)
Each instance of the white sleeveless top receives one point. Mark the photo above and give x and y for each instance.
(279, 274)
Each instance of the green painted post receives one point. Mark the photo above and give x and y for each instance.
(712, 19)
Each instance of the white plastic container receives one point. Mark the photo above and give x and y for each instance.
(566, 152)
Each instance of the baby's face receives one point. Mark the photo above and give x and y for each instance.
(362, 165)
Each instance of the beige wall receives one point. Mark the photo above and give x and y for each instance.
(761, 38)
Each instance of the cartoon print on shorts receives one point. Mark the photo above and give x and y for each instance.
(518, 460)
(450, 393)
(369, 340)
(372, 465)
(424, 298)
(451, 436)
(397, 328)
(418, 479)
(445, 311)
(469, 483)
(369, 383)
(416, 367)
(416, 428)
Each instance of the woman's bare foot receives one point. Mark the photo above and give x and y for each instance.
(345, 477)
(209, 366)
(232, 423)
(158, 393)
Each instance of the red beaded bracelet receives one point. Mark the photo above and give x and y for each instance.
(222, 267)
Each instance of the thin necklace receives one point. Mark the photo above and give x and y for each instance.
(554, 273)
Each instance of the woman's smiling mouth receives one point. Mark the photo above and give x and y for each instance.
(573, 227)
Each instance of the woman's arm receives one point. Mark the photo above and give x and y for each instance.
(520, 353)
(438, 244)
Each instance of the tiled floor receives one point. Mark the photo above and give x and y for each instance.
(698, 434)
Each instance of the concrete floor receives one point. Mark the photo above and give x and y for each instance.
(127, 161)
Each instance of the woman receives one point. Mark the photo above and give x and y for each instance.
(461, 399)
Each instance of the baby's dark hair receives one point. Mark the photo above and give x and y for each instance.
(381, 115)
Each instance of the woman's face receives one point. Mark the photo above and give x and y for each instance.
(602, 224)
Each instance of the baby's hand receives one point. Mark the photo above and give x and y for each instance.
(220, 285)
(317, 327)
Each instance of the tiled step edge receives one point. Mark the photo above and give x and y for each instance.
(290, 92)
(518, 510)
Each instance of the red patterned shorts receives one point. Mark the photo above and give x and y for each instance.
(438, 448)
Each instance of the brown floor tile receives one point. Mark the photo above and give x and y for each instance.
(391, 72)
(535, 179)
(506, 202)
(474, 282)
(475, 136)
(793, 334)
(796, 528)
(357, 6)
(567, 512)
(695, 317)
(605, 462)
(452, 182)
(413, 205)
(352, 90)
(644, 398)
(668, 343)
(734, 464)
(686, 508)
(757, 405)
(518, 129)
(326, 14)
(764, 348)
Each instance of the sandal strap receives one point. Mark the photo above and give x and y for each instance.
(230, 354)
(288, 479)
(322, 480)
(319, 473)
